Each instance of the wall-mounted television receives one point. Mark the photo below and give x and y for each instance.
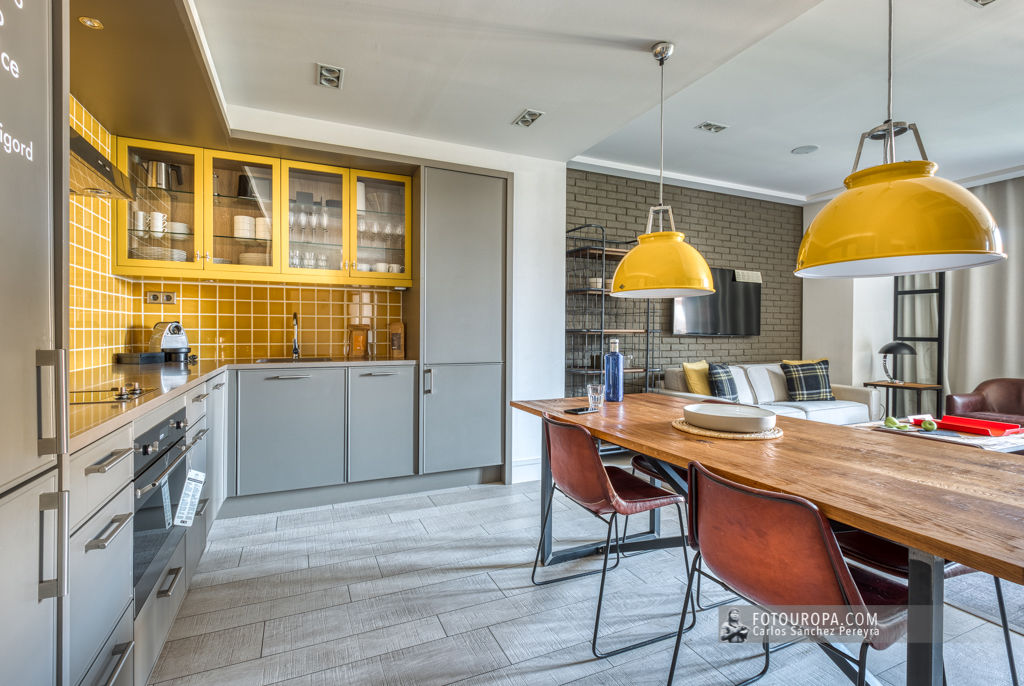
(734, 309)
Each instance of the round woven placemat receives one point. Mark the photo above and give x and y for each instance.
(681, 425)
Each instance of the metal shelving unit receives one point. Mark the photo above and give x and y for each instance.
(593, 317)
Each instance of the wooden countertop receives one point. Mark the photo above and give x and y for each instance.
(88, 423)
(953, 501)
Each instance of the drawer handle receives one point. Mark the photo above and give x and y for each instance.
(119, 522)
(109, 463)
(124, 650)
(175, 574)
(201, 397)
(201, 510)
(200, 435)
(288, 377)
(379, 374)
(218, 386)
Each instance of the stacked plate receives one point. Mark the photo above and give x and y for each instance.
(159, 253)
(221, 260)
(256, 259)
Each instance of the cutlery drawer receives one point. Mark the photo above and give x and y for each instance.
(98, 471)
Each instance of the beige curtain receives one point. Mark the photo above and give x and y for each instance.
(985, 306)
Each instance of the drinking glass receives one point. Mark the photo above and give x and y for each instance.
(595, 395)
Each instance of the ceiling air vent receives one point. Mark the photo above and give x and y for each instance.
(526, 118)
(711, 127)
(328, 76)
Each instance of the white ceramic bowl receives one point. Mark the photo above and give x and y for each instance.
(734, 418)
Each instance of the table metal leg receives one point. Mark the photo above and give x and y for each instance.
(546, 486)
(924, 625)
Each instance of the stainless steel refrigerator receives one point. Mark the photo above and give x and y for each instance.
(33, 431)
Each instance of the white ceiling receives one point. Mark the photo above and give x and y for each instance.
(461, 70)
(821, 80)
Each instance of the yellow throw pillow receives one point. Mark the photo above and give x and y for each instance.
(820, 359)
(697, 377)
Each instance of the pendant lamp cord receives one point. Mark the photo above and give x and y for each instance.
(890, 139)
(661, 143)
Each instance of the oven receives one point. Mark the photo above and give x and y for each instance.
(161, 465)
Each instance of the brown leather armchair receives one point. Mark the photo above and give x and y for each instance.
(997, 400)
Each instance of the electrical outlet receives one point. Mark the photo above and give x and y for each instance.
(154, 297)
(169, 297)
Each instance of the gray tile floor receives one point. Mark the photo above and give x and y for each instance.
(435, 589)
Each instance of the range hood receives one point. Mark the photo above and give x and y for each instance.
(93, 174)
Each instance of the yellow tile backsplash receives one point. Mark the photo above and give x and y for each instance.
(225, 320)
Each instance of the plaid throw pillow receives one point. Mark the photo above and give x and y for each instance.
(722, 384)
(808, 381)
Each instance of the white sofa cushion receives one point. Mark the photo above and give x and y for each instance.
(768, 382)
(784, 410)
(828, 411)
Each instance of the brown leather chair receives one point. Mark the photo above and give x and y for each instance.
(777, 550)
(997, 400)
(889, 557)
(604, 491)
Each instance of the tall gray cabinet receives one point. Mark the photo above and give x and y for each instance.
(463, 314)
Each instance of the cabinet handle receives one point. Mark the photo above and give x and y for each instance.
(201, 397)
(175, 574)
(288, 377)
(109, 463)
(58, 359)
(201, 510)
(218, 386)
(379, 374)
(124, 651)
(428, 376)
(119, 522)
(208, 257)
(199, 256)
(57, 587)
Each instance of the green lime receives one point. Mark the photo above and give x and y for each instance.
(891, 422)
(929, 425)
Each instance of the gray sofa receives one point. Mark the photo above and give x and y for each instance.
(764, 385)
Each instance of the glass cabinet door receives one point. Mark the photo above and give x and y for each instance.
(159, 225)
(240, 220)
(382, 204)
(314, 219)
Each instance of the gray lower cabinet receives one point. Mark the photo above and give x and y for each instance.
(100, 572)
(463, 408)
(216, 440)
(115, 663)
(28, 545)
(157, 614)
(195, 539)
(381, 422)
(291, 429)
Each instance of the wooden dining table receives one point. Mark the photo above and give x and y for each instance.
(941, 500)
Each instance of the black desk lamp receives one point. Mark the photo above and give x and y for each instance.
(894, 348)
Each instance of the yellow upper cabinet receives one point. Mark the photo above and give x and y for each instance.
(243, 229)
(235, 216)
(315, 228)
(159, 231)
(380, 212)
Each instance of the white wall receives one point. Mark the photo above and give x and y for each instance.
(536, 242)
(847, 321)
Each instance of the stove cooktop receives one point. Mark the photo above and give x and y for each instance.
(110, 396)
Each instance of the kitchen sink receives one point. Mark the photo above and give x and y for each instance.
(300, 360)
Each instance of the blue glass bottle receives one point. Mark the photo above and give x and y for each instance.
(613, 373)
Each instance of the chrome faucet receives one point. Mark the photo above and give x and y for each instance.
(295, 337)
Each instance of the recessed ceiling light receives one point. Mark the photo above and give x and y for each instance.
(804, 149)
(526, 118)
(328, 76)
(91, 22)
(711, 127)
(981, 3)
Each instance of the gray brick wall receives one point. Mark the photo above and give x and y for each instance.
(731, 232)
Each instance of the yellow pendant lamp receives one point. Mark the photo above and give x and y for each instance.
(898, 217)
(663, 264)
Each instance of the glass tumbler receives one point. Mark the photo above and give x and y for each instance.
(595, 395)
